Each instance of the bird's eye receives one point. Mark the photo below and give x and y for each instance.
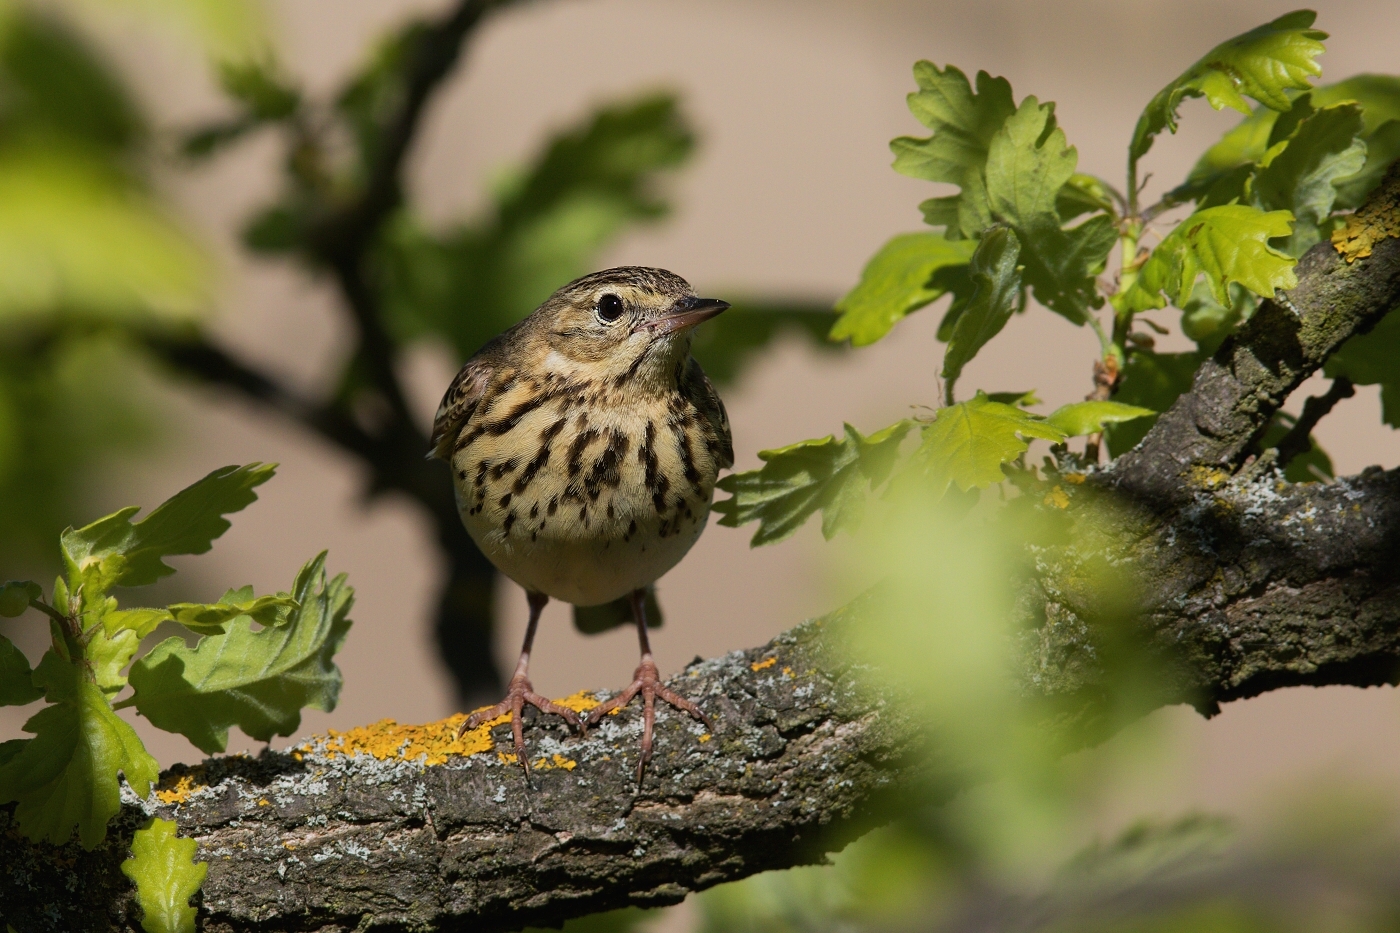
(610, 307)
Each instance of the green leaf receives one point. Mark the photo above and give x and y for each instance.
(209, 618)
(1373, 359)
(166, 876)
(1153, 381)
(108, 654)
(114, 551)
(1081, 418)
(963, 124)
(66, 776)
(1020, 399)
(1379, 98)
(835, 476)
(896, 282)
(1208, 322)
(15, 596)
(256, 680)
(1029, 164)
(1082, 194)
(1228, 244)
(16, 687)
(1264, 63)
(141, 621)
(968, 443)
(996, 293)
(1324, 148)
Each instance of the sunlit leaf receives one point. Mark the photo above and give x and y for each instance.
(166, 876)
(114, 551)
(1029, 163)
(108, 655)
(896, 282)
(256, 680)
(996, 280)
(1227, 244)
(66, 776)
(830, 475)
(1264, 63)
(1080, 418)
(963, 123)
(207, 617)
(16, 688)
(968, 443)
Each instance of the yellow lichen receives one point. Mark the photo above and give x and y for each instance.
(1074, 479)
(705, 737)
(434, 742)
(1057, 497)
(787, 672)
(760, 665)
(1206, 477)
(264, 802)
(177, 791)
(546, 764)
(1377, 219)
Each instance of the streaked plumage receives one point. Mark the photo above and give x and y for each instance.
(585, 446)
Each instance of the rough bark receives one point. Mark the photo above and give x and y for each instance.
(1242, 583)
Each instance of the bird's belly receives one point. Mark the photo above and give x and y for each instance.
(588, 512)
(587, 570)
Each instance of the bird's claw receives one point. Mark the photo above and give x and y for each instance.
(519, 693)
(647, 682)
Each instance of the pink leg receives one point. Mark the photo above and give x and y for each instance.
(646, 681)
(520, 692)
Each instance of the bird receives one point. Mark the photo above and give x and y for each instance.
(584, 444)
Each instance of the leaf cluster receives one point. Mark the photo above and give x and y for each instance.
(255, 663)
(1025, 224)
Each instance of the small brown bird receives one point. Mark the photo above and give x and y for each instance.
(584, 444)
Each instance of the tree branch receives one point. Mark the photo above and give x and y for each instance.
(1301, 590)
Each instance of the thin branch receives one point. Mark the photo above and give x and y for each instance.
(196, 356)
(1299, 438)
(343, 240)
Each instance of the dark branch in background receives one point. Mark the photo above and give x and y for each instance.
(1243, 584)
(1298, 440)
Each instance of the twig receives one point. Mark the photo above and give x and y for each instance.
(1298, 440)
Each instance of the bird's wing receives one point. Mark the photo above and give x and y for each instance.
(711, 408)
(458, 404)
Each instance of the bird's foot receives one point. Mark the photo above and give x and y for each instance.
(519, 693)
(647, 682)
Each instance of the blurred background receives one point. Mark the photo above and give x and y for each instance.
(752, 159)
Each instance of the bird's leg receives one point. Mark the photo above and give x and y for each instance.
(520, 692)
(647, 682)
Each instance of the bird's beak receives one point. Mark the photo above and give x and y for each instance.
(684, 313)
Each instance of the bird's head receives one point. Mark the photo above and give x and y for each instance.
(630, 324)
